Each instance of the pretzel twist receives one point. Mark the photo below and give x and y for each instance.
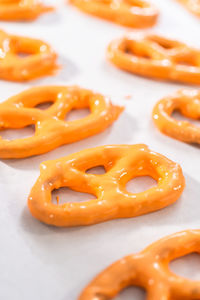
(40, 60)
(188, 103)
(51, 130)
(20, 10)
(122, 163)
(150, 269)
(192, 5)
(156, 57)
(131, 13)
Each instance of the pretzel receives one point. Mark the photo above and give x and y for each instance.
(156, 57)
(51, 130)
(122, 163)
(188, 103)
(22, 10)
(41, 59)
(131, 13)
(192, 5)
(150, 269)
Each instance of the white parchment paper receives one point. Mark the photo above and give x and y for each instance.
(38, 262)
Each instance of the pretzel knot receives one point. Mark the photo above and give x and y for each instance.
(121, 163)
(156, 57)
(23, 58)
(192, 5)
(150, 269)
(16, 10)
(132, 13)
(51, 130)
(188, 103)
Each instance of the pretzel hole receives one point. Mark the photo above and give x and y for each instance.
(44, 105)
(140, 184)
(13, 134)
(186, 62)
(65, 195)
(137, 51)
(23, 54)
(177, 115)
(187, 266)
(77, 114)
(132, 293)
(162, 43)
(99, 170)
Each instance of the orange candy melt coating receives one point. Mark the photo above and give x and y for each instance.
(188, 103)
(132, 13)
(192, 5)
(150, 269)
(39, 60)
(122, 163)
(22, 10)
(51, 129)
(156, 57)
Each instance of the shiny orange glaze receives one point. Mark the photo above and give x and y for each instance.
(156, 57)
(37, 58)
(22, 10)
(121, 163)
(192, 5)
(188, 103)
(150, 269)
(132, 13)
(51, 129)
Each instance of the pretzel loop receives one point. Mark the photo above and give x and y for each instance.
(39, 59)
(150, 269)
(188, 103)
(192, 5)
(156, 57)
(51, 130)
(131, 13)
(122, 163)
(20, 10)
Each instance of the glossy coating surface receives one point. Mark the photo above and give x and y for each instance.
(156, 57)
(188, 103)
(23, 58)
(51, 129)
(131, 13)
(22, 10)
(150, 269)
(122, 163)
(192, 5)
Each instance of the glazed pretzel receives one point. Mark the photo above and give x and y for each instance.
(132, 13)
(122, 163)
(156, 57)
(192, 5)
(188, 103)
(51, 130)
(41, 59)
(21, 10)
(150, 269)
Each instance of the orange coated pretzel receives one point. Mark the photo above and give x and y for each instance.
(132, 13)
(51, 130)
(121, 163)
(22, 10)
(156, 57)
(150, 269)
(192, 5)
(188, 103)
(40, 60)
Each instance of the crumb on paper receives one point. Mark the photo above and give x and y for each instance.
(128, 97)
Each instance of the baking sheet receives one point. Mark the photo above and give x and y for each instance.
(41, 262)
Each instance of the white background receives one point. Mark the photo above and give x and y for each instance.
(41, 262)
